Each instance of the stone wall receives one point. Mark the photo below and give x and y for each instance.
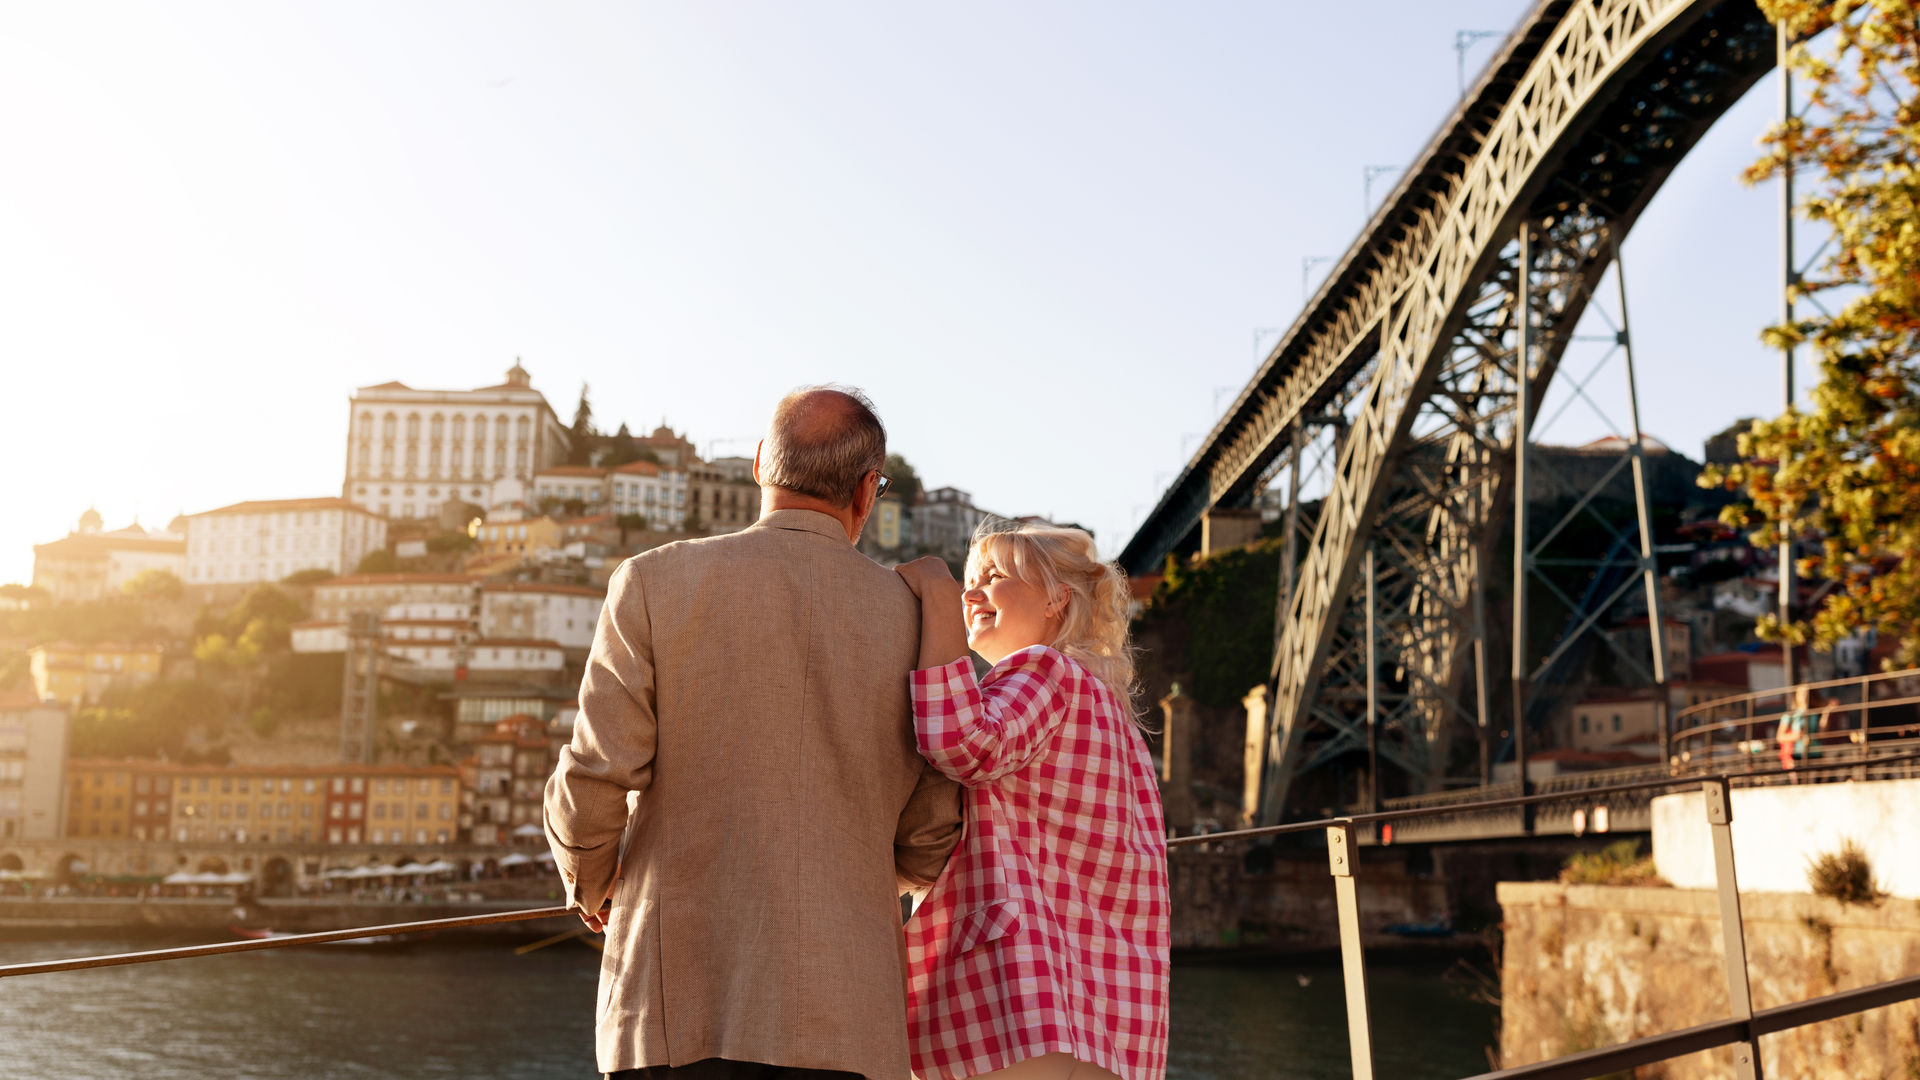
(1587, 966)
(1218, 903)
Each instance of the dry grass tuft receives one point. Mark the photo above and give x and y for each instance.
(1845, 875)
(1619, 863)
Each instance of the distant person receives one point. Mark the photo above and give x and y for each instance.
(1042, 952)
(1799, 728)
(747, 696)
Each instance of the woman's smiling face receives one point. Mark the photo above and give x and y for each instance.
(1005, 614)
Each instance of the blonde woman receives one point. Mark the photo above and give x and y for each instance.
(1041, 951)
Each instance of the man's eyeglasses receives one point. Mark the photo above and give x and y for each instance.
(883, 486)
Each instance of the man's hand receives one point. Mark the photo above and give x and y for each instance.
(930, 580)
(597, 922)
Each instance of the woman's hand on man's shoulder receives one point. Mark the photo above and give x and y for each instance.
(928, 576)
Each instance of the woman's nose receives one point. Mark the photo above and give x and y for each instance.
(974, 595)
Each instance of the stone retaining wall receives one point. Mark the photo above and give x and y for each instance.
(1587, 966)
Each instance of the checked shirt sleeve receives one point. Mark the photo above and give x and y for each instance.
(977, 733)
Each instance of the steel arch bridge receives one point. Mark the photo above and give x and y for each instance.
(1406, 367)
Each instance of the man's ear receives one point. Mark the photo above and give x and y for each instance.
(863, 498)
(757, 447)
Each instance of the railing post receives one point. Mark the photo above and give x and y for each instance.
(1746, 1054)
(1342, 854)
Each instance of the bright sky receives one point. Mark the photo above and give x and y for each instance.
(1041, 236)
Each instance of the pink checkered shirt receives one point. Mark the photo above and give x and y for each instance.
(1048, 931)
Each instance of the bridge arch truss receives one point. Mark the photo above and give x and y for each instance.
(1411, 354)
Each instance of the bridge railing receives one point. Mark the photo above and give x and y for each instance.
(1741, 1030)
(1853, 718)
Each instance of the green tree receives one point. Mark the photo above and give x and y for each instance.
(1847, 470)
(25, 595)
(377, 562)
(147, 721)
(307, 577)
(580, 447)
(154, 584)
(622, 450)
(906, 482)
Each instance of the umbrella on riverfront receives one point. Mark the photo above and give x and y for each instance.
(414, 868)
(440, 866)
(518, 858)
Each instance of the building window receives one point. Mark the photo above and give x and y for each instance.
(1616, 721)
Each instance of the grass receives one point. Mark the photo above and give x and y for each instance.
(1619, 863)
(1845, 875)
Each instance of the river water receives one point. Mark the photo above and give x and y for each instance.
(474, 1010)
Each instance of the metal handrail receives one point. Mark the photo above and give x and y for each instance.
(149, 956)
(1405, 813)
(1742, 1030)
(1673, 1044)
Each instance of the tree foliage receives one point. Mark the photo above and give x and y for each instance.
(1227, 603)
(146, 721)
(256, 626)
(154, 584)
(380, 561)
(580, 446)
(1847, 470)
(906, 484)
(621, 449)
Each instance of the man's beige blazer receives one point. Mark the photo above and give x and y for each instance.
(752, 689)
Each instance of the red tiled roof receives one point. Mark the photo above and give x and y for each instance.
(539, 587)
(146, 765)
(638, 468)
(392, 385)
(395, 579)
(79, 543)
(21, 701)
(280, 506)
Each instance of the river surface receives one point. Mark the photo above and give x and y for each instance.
(474, 1010)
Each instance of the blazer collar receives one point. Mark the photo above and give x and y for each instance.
(812, 521)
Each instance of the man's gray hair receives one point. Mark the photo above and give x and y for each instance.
(822, 442)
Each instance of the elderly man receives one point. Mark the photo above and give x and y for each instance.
(742, 784)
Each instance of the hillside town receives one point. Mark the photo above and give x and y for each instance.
(394, 666)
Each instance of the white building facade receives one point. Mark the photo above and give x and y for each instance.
(654, 493)
(89, 564)
(253, 542)
(33, 769)
(411, 451)
(519, 610)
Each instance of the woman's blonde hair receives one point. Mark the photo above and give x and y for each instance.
(1094, 627)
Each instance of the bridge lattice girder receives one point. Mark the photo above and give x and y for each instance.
(1572, 130)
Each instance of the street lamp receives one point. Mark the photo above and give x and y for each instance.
(1462, 41)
